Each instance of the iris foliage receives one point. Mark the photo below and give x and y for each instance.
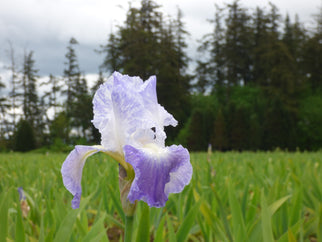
(235, 196)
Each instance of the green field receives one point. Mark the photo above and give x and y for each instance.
(274, 196)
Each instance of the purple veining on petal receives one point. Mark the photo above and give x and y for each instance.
(119, 111)
(76, 200)
(72, 170)
(124, 106)
(149, 95)
(158, 172)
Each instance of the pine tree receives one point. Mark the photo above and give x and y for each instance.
(14, 81)
(219, 137)
(71, 76)
(210, 73)
(82, 108)
(30, 95)
(99, 82)
(52, 94)
(112, 59)
(237, 45)
(147, 45)
(260, 47)
(3, 112)
(312, 56)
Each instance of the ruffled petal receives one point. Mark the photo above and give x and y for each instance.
(158, 113)
(158, 172)
(126, 106)
(72, 170)
(119, 111)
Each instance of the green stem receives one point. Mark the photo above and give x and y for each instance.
(128, 228)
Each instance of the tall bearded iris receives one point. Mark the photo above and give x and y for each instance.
(131, 123)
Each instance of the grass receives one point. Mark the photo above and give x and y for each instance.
(274, 196)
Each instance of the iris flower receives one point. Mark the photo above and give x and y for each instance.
(131, 123)
(23, 202)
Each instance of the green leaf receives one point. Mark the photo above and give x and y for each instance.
(319, 233)
(296, 208)
(291, 237)
(82, 223)
(143, 233)
(171, 234)
(224, 216)
(4, 216)
(266, 220)
(295, 230)
(187, 223)
(20, 230)
(66, 227)
(277, 204)
(117, 203)
(239, 227)
(97, 231)
(115, 221)
(159, 233)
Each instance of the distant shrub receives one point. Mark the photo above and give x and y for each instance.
(24, 139)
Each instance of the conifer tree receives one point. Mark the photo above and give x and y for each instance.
(312, 55)
(237, 45)
(14, 84)
(53, 93)
(210, 73)
(98, 82)
(3, 111)
(260, 47)
(219, 136)
(71, 76)
(147, 45)
(30, 95)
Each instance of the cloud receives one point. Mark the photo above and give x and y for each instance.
(46, 26)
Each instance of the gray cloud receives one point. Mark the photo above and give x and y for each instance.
(46, 26)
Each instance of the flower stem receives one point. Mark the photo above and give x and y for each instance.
(128, 228)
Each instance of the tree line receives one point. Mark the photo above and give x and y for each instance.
(256, 85)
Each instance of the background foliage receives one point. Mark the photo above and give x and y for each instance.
(256, 84)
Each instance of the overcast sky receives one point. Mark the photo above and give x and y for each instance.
(45, 26)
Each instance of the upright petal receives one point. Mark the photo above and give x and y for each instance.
(72, 170)
(158, 113)
(158, 172)
(119, 111)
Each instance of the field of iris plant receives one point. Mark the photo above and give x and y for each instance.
(265, 196)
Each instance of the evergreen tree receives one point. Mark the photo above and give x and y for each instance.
(59, 129)
(25, 139)
(82, 108)
(312, 56)
(30, 95)
(99, 82)
(210, 71)
(260, 48)
(3, 112)
(53, 94)
(71, 76)
(147, 45)
(237, 45)
(219, 137)
(14, 81)
(112, 59)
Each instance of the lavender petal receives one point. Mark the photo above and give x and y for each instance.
(72, 170)
(158, 172)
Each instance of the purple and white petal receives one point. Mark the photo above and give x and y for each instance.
(158, 172)
(119, 111)
(72, 170)
(130, 116)
(158, 113)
